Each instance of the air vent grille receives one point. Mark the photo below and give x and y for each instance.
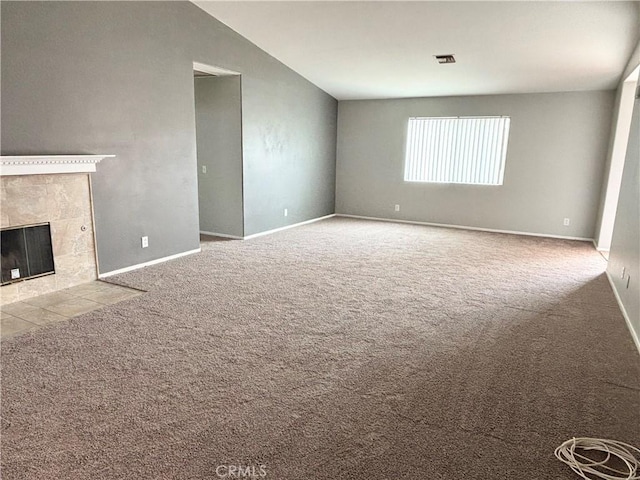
(449, 58)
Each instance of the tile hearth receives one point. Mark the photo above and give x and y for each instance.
(33, 313)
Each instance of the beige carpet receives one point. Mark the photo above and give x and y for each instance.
(342, 349)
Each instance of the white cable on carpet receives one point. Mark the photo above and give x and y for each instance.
(585, 466)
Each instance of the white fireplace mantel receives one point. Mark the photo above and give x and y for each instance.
(49, 164)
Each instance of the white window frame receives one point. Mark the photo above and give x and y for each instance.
(455, 160)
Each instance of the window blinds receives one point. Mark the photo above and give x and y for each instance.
(469, 150)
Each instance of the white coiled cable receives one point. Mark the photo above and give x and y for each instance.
(591, 469)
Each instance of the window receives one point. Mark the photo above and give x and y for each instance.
(469, 150)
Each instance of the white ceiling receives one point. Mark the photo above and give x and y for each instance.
(375, 49)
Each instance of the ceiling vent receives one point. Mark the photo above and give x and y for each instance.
(445, 58)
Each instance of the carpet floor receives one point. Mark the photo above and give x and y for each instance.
(342, 349)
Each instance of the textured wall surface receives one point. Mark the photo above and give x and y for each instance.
(117, 78)
(555, 159)
(65, 202)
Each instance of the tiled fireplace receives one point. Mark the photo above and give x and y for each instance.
(54, 190)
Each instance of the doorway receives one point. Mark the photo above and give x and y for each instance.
(618, 152)
(218, 111)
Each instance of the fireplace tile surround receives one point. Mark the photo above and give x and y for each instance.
(62, 199)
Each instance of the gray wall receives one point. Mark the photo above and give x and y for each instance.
(289, 134)
(556, 154)
(625, 245)
(219, 144)
(116, 78)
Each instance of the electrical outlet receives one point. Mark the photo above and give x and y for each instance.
(567, 222)
(624, 269)
(15, 273)
(145, 242)
(204, 169)
(397, 208)
(286, 212)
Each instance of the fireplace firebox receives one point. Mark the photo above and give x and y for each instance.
(26, 252)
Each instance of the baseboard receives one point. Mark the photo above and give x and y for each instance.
(223, 235)
(197, 250)
(595, 244)
(464, 227)
(147, 264)
(634, 334)
(269, 232)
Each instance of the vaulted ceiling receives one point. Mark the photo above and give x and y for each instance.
(380, 49)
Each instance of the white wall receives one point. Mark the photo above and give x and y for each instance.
(620, 129)
(625, 246)
(556, 156)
